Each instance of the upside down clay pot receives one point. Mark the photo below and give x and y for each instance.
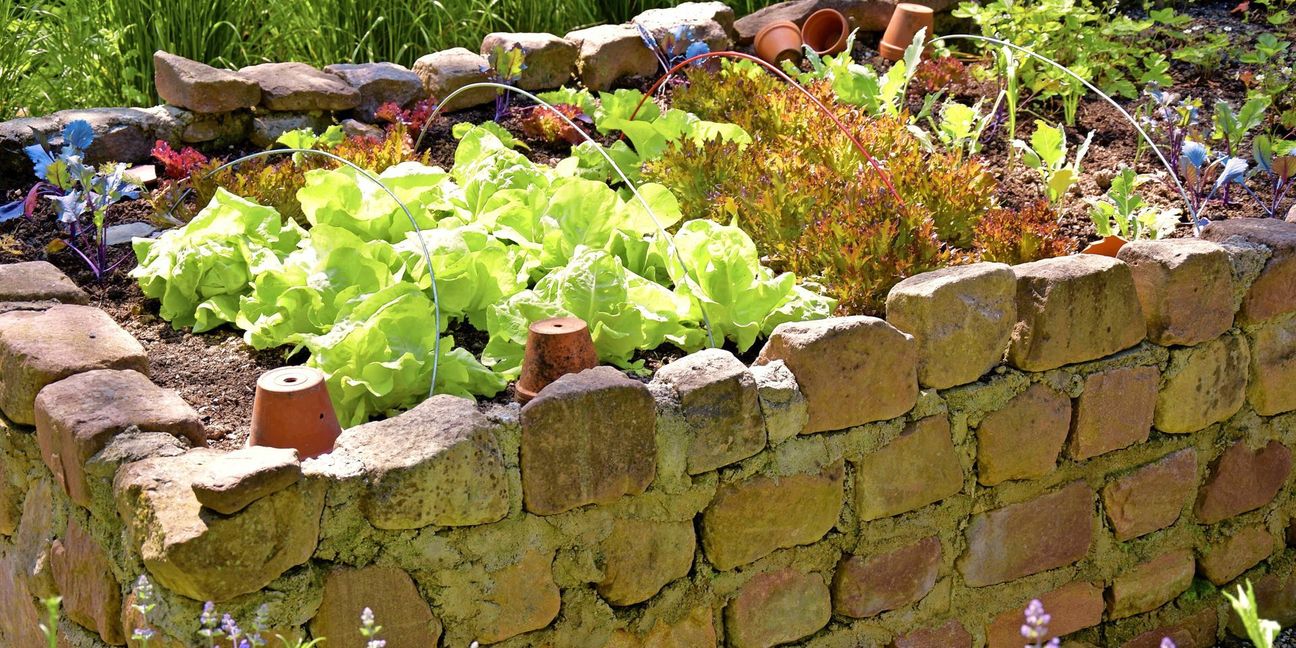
(292, 410)
(779, 41)
(1107, 247)
(555, 347)
(906, 20)
(825, 32)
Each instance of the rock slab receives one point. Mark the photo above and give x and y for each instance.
(38, 281)
(200, 87)
(721, 406)
(245, 476)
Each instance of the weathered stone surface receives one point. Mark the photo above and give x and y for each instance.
(300, 87)
(961, 319)
(719, 399)
(200, 87)
(1114, 411)
(83, 573)
(266, 128)
(209, 557)
(710, 22)
(1242, 480)
(1203, 385)
(1241, 551)
(77, 416)
(1150, 585)
(19, 619)
(33, 543)
(752, 518)
(406, 619)
(1194, 631)
(640, 557)
(1272, 388)
(1273, 293)
(1073, 309)
(444, 72)
(218, 128)
(523, 597)
(867, 585)
(439, 463)
(34, 281)
(378, 83)
(127, 447)
(550, 59)
(880, 360)
(121, 135)
(1073, 607)
(696, 628)
(950, 635)
(1151, 497)
(245, 476)
(1049, 531)
(42, 347)
(776, 608)
(782, 404)
(609, 53)
(1185, 287)
(1023, 440)
(357, 128)
(587, 438)
(916, 469)
(1275, 600)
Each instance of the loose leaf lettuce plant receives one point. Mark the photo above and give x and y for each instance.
(510, 242)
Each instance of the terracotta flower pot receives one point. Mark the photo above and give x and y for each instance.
(292, 410)
(779, 41)
(1107, 247)
(906, 20)
(825, 31)
(555, 347)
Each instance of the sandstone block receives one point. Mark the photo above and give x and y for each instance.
(868, 585)
(721, 406)
(918, 468)
(1273, 293)
(709, 22)
(77, 416)
(776, 608)
(1204, 385)
(1073, 607)
(1242, 480)
(852, 370)
(523, 598)
(609, 53)
(200, 87)
(1050, 531)
(1240, 552)
(38, 348)
(1150, 585)
(950, 635)
(439, 463)
(695, 628)
(267, 127)
(640, 557)
(406, 618)
(378, 83)
(245, 476)
(444, 72)
(550, 60)
(1151, 497)
(1114, 411)
(1197, 630)
(1185, 287)
(961, 319)
(782, 404)
(121, 135)
(35, 281)
(751, 519)
(300, 87)
(83, 573)
(1272, 387)
(1074, 309)
(587, 438)
(1023, 440)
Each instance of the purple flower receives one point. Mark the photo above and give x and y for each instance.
(1036, 626)
(1166, 643)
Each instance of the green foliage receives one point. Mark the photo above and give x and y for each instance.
(1261, 632)
(1122, 211)
(1205, 52)
(862, 85)
(1047, 154)
(1232, 127)
(959, 129)
(1022, 235)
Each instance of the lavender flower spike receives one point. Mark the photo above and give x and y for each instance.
(1036, 626)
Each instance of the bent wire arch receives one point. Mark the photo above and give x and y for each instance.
(427, 256)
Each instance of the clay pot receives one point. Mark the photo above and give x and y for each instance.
(555, 347)
(779, 41)
(292, 410)
(906, 20)
(825, 31)
(1106, 247)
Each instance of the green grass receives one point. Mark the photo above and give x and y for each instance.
(59, 54)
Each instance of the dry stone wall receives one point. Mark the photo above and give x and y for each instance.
(866, 482)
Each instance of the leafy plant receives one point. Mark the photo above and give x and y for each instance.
(1022, 235)
(1277, 160)
(505, 66)
(941, 73)
(676, 45)
(960, 128)
(1206, 53)
(1233, 127)
(177, 165)
(1261, 632)
(77, 137)
(413, 119)
(1203, 176)
(1122, 211)
(1047, 154)
(861, 85)
(544, 123)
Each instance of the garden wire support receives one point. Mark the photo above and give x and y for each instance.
(877, 166)
(670, 240)
(427, 256)
(1192, 214)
